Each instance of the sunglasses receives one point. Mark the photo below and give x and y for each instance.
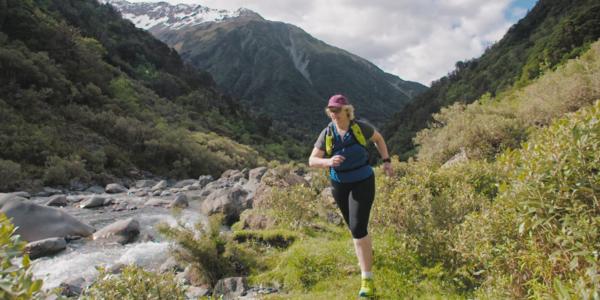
(335, 110)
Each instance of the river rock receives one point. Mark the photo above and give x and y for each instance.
(230, 202)
(145, 183)
(165, 193)
(58, 200)
(48, 191)
(170, 265)
(157, 202)
(141, 193)
(204, 180)
(45, 247)
(95, 201)
(21, 194)
(230, 288)
(73, 288)
(160, 186)
(115, 188)
(95, 189)
(180, 201)
(186, 182)
(36, 222)
(197, 292)
(122, 232)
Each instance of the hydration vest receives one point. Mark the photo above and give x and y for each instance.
(354, 130)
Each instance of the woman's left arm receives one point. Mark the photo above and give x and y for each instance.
(377, 138)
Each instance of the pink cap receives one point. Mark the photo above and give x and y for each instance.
(337, 101)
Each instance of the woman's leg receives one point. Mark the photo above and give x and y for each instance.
(360, 203)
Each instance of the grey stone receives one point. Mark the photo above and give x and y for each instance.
(146, 183)
(230, 288)
(95, 189)
(122, 232)
(170, 265)
(185, 182)
(92, 202)
(157, 202)
(58, 200)
(36, 222)
(21, 194)
(45, 247)
(230, 202)
(115, 188)
(160, 186)
(180, 201)
(195, 292)
(165, 193)
(204, 180)
(73, 288)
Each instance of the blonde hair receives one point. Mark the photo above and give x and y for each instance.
(349, 109)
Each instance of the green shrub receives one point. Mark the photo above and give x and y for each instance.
(211, 255)
(541, 235)
(135, 283)
(293, 207)
(59, 171)
(10, 174)
(489, 126)
(16, 281)
(424, 205)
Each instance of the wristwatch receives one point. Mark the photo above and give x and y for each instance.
(387, 160)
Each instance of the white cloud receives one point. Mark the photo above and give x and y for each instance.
(416, 40)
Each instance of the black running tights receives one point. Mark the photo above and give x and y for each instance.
(354, 201)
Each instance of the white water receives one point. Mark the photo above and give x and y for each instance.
(81, 258)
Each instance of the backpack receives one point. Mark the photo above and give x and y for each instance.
(354, 130)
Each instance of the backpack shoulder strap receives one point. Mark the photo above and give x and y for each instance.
(329, 140)
(358, 134)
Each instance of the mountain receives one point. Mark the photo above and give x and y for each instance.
(85, 96)
(551, 33)
(276, 68)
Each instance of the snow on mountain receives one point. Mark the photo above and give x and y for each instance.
(148, 15)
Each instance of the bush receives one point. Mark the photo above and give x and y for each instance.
(135, 283)
(60, 171)
(211, 255)
(10, 174)
(540, 237)
(16, 281)
(424, 205)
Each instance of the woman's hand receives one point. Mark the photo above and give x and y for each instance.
(336, 160)
(387, 168)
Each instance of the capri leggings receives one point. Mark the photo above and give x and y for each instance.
(354, 201)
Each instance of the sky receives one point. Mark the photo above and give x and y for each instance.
(416, 40)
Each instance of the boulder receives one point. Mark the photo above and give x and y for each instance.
(122, 232)
(21, 194)
(157, 202)
(95, 189)
(230, 288)
(458, 158)
(45, 247)
(73, 288)
(183, 183)
(94, 201)
(115, 188)
(230, 202)
(180, 201)
(58, 200)
(141, 193)
(146, 183)
(197, 292)
(275, 178)
(170, 265)
(36, 222)
(165, 193)
(256, 221)
(160, 186)
(204, 180)
(48, 191)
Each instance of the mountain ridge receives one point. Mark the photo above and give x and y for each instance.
(281, 71)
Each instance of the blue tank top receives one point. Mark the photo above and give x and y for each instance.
(356, 165)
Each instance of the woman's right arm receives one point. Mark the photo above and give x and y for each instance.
(316, 159)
